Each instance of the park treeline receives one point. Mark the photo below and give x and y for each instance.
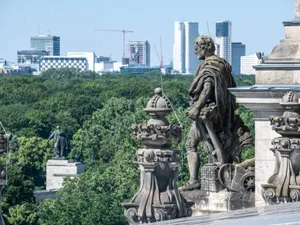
(96, 112)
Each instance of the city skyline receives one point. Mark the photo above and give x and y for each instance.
(251, 24)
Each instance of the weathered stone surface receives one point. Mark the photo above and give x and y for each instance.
(222, 201)
(293, 32)
(284, 214)
(158, 198)
(285, 75)
(284, 184)
(264, 101)
(57, 170)
(287, 49)
(215, 124)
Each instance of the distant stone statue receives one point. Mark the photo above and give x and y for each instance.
(60, 143)
(212, 109)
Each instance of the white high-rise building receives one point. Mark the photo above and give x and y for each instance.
(179, 47)
(191, 60)
(247, 63)
(184, 59)
(223, 39)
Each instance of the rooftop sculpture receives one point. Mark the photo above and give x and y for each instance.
(223, 133)
(284, 185)
(158, 198)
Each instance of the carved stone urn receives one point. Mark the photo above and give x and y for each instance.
(284, 185)
(158, 198)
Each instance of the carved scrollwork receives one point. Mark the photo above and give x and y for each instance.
(131, 215)
(295, 195)
(285, 124)
(269, 195)
(189, 211)
(160, 215)
(155, 132)
(158, 164)
(287, 153)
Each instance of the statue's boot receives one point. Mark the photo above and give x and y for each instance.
(193, 183)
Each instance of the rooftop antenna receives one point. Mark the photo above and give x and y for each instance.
(207, 27)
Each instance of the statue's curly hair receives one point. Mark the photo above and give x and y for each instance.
(205, 42)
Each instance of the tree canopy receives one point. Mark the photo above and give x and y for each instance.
(96, 112)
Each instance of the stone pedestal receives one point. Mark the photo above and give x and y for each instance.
(222, 201)
(263, 101)
(282, 66)
(158, 198)
(57, 170)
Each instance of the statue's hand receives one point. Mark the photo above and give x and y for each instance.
(192, 113)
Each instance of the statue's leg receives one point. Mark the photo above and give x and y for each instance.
(56, 151)
(194, 137)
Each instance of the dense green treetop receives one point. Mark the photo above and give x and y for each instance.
(96, 112)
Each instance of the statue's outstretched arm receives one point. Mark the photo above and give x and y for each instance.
(50, 137)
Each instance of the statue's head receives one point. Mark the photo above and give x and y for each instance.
(204, 47)
(57, 127)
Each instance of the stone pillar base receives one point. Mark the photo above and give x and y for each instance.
(222, 201)
(57, 170)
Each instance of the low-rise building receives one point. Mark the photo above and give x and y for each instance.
(56, 62)
(247, 63)
(90, 56)
(137, 69)
(108, 67)
(3, 63)
(31, 56)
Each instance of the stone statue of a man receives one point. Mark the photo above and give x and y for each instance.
(212, 109)
(60, 147)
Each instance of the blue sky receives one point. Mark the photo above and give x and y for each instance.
(256, 23)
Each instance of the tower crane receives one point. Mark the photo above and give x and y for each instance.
(160, 57)
(124, 34)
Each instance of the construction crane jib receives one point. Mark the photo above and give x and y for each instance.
(124, 34)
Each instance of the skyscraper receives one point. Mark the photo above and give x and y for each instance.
(184, 59)
(191, 60)
(179, 47)
(46, 43)
(139, 53)
(238, 50)
(223, 39)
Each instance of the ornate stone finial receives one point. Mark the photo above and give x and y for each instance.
(157, 132)
(158, 105)
(297, 9)
(158, 198)
(284, 185)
